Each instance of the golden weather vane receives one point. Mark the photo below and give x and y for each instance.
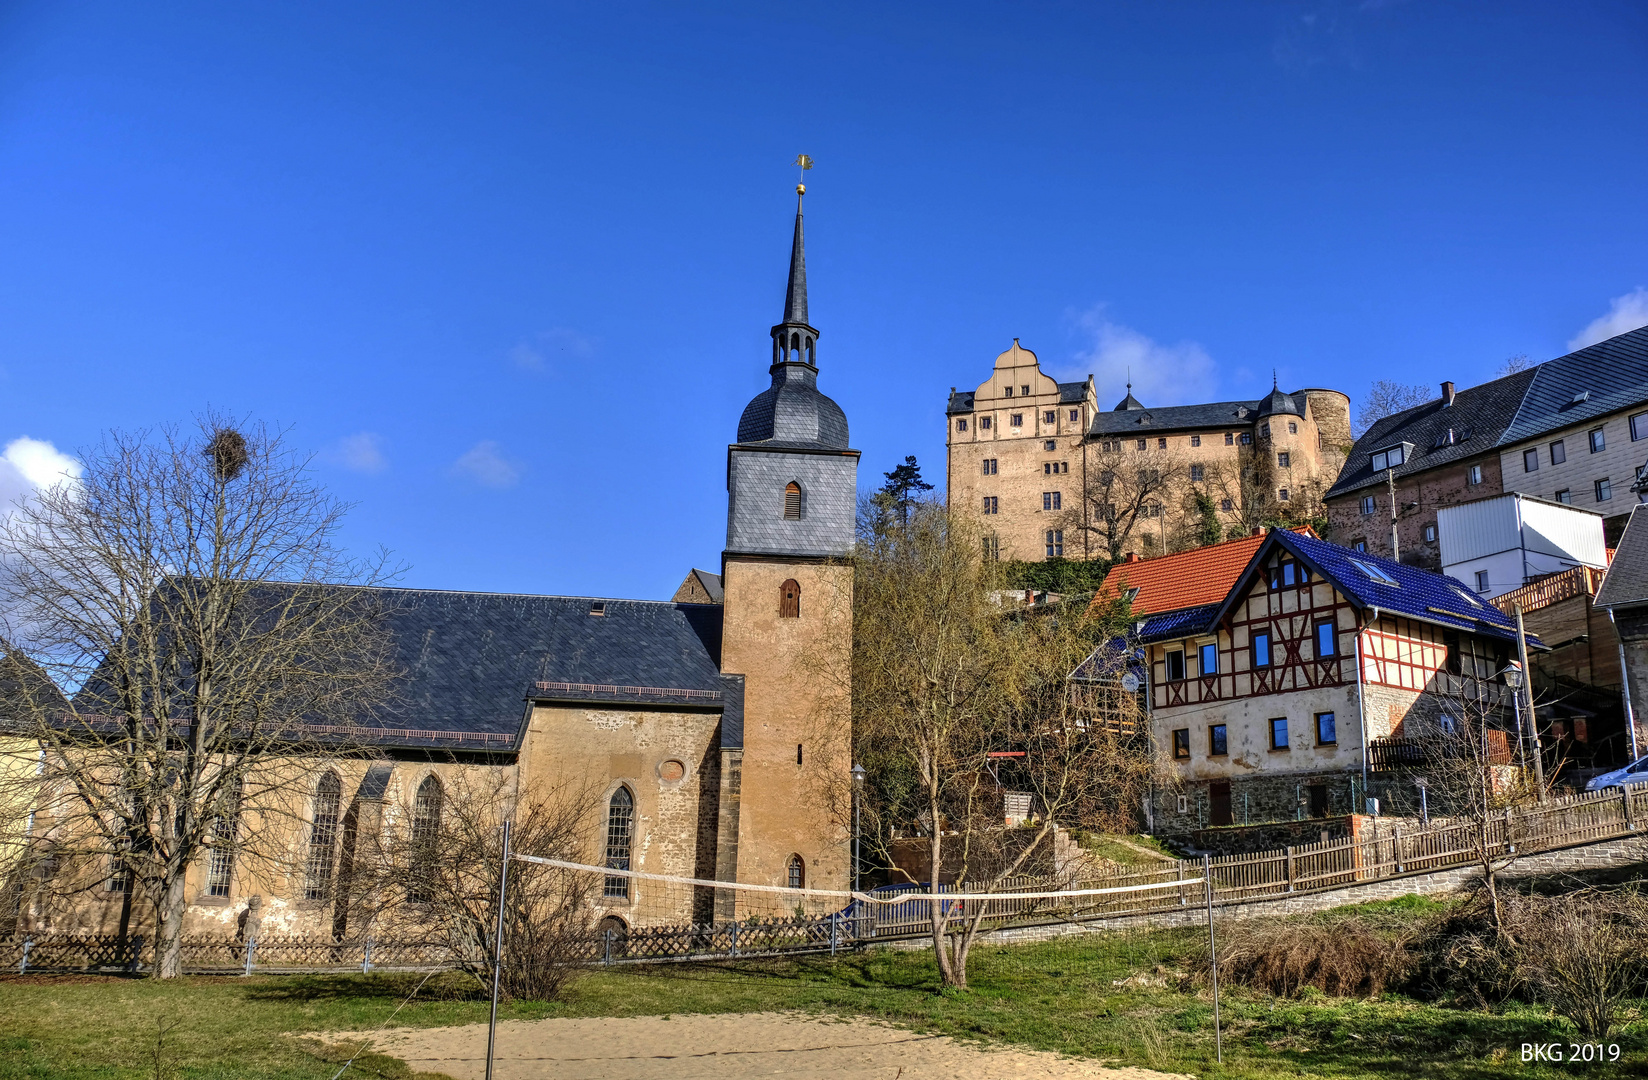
(802, 162)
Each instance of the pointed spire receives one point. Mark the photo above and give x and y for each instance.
(795, 297)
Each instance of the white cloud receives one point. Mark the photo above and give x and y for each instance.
(1625, 313)
(361, 453)
(1161, 374)
(27, 465)
(536, 353)
(485, 464)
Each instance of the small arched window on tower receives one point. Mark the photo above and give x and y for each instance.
(792, 501)
(810, 359)
(795, 345)
(797, 872)
(789, 600)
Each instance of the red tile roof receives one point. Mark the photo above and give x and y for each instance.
(1187, 579)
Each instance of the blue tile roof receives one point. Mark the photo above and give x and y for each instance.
(1410, 592)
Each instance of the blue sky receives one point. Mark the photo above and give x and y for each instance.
(508, 269)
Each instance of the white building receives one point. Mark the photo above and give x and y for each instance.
(1503, 542)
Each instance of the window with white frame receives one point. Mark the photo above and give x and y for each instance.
(1388, 458)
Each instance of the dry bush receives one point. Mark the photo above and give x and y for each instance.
(1581, 953)
(1345, 957)
(1461, 956)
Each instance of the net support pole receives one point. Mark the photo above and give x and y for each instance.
(1213, 957)
(498, 955)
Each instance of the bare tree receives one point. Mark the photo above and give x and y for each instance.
(1514, 364)
(1387, 398)
(1125, 495)
(190, 592)
(437, 864)
(942, 676)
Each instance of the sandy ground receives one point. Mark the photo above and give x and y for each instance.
(725, 1047)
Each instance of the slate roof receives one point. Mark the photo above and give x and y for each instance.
(1626, 582)
(1478, 417)
(1214, 414)
(469, 662)
(1186, 579)
(792, 412)
(961, 401)
(1611, 375)
(1416, 594)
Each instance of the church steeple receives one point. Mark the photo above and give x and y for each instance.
(794, 340)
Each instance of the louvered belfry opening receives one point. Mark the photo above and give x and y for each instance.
(789, 600)
(792, 501)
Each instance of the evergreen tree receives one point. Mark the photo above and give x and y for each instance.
(903, 488)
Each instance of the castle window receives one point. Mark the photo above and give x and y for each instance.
(1283, 495)
(1293, 429)
(1142, 444)
(1264, 431)
(984, 423)
(1050, 416)
(426, 826)
(1007, 391)
(992, 504)
(1050, 444)
(1055, 543)
(789, 600)
(1196, 474)
(961, 425)
(323, 837)
(1075, 415)
(1025, 391)
(792, 501)
(798, 753)
(1195, 440)
(989, 466)
(1283, 461)
(1247, 438)
(1227, 505)
(1230, 438)
(1052, 500)
(620, 832)
(1161, 444)
(992, 548)
(1017, 419)
(797, 872)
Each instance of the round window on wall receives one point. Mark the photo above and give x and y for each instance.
(671, 771)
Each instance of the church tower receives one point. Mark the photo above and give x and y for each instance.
(792, 485)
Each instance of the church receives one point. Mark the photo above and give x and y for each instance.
(713, 737)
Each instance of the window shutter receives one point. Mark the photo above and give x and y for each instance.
(792, 501)
(789, 600)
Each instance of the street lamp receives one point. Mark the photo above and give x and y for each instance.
(858, 799)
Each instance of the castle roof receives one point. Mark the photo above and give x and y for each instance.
(1212, 415)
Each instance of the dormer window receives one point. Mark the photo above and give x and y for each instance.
(792, 501)
(1390, 457)
(598, 607)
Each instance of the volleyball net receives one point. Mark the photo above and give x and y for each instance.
(636, 903)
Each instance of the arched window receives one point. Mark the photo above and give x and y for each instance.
(789, 600)
(220, 863)
(620, 833)
(810, 359)
(792, 501)
(426, 826)
(798, 872)
(323, 837)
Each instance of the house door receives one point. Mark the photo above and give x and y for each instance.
(1218, 796)
(1318, 799)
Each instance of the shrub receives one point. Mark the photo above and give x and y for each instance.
(1343, 957)
(1581, 953)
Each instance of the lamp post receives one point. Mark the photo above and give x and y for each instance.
(858, 799)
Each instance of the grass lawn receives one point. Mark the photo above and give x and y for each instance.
(1063, 996)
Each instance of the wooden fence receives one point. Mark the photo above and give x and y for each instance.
(1388, 850)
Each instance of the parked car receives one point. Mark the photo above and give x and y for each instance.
(1630, 775)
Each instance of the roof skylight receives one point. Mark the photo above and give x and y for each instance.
(1374, 573)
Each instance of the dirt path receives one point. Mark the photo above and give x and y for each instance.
(724, 1047)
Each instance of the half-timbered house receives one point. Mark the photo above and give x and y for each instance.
(1295, 695)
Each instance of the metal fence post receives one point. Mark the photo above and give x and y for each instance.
(23, 965)
(251, 948)
(366, 958)
(835, 928)
(735, 939)
(606, 957)
(1213, 957)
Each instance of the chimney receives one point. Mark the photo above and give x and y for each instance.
(1132, 556)
(1258, 530)
(1447, 395)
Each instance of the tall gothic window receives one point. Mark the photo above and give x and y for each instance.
(620, 832)
(323, 837)
(789, 600)
(792, 501)
(798, 872)
(426, 825)
(220, 862)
